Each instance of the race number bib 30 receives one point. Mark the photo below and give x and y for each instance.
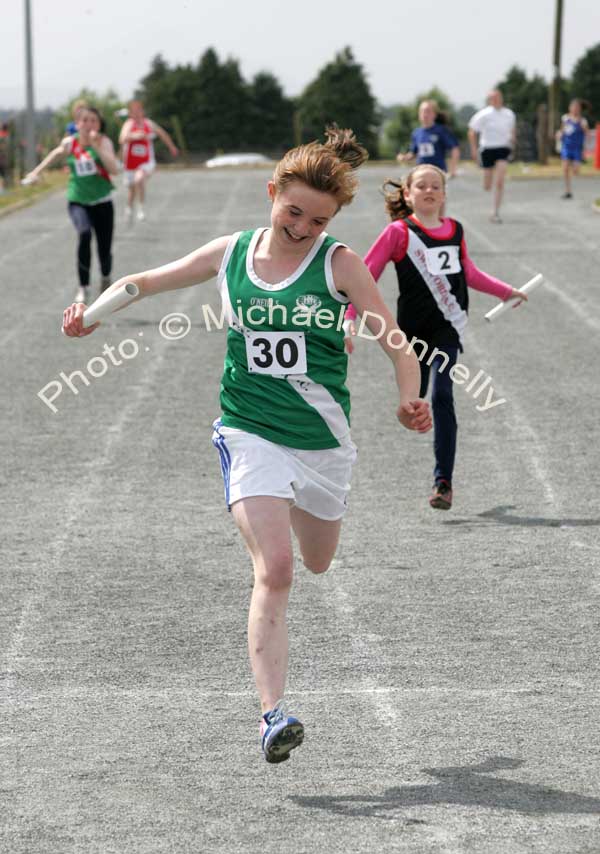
(442, 260)
(85, 166)
(275, 353)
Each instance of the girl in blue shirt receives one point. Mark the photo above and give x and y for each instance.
(432, 141)
(572, 134)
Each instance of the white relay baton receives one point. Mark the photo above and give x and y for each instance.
(105, 305)
(531, 285)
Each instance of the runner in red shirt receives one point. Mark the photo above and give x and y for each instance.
(136, 138)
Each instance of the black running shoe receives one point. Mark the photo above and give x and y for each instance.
(441, 497)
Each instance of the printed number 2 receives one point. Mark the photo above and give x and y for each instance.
(444, 258)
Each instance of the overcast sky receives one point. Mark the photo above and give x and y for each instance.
(463, 46)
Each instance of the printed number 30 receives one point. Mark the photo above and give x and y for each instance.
(286, 360)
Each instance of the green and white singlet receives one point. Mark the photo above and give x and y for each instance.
(89, 182)
(285, 366)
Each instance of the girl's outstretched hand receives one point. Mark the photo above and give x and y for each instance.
(349, 328)
(73, 321)
(415, 415)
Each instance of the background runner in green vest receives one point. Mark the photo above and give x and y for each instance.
(91, 159)
(283, 439)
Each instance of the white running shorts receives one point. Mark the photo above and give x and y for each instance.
(315, 481)
(129, 174)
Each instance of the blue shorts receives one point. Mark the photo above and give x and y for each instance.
(571, 154)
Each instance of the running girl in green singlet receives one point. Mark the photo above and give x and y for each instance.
(284, 436)
(91, 160)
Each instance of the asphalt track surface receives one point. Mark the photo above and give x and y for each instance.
(446, 668)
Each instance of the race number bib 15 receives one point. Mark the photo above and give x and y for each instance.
(442, 260)
(426, 149)
(275, 353)
(85, 166)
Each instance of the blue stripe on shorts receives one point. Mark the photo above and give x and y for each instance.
(224, 457)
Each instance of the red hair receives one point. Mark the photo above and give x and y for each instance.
(327, 167)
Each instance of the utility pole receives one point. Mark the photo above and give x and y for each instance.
(554, 91)
(30, 154)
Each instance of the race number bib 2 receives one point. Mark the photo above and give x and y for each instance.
(442, 260)
(275, 353)
(85, 166)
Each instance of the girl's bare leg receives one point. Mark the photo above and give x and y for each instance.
(264, 523)
(318, 539)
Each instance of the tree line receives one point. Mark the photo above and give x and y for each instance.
(219, 111)
(209, 107)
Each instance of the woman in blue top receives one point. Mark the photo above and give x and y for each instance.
(572, 135)
(431, 141)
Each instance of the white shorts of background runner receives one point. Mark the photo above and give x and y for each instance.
(315, 481)
(129, 174)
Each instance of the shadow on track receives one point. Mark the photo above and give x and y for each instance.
(500, 514)
(469, 785)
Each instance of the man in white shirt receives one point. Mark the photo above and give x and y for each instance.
(496, 127)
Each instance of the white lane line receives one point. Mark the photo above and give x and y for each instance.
(582, 310)
(171, 691)
(21, 248)
(91, 485)
(347, 613)
(565, 234)
(46, 235)
(25, 319)
(536, 453)
(32, 244)
(483, 238)
(10, 335)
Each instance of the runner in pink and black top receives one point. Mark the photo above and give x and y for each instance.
(434, 274)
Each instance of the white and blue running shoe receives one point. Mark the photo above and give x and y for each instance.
(281, 733)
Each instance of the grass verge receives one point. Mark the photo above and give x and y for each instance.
(19, 197)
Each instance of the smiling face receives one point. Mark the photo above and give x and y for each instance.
(426, 194)
(299, 215)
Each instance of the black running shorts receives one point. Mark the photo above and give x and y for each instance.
(489, 156)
